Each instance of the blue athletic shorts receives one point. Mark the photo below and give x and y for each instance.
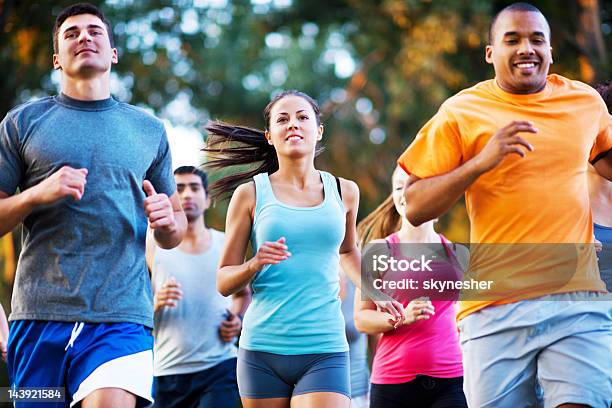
(268, 375)
(81, 357)
(556, 348)
(214, 387)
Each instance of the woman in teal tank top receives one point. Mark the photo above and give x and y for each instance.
(301, 225)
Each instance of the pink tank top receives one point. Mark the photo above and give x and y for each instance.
(427, 347)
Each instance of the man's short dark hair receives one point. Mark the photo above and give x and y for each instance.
(605, 90)
(196, 171)
(521, 6)
(76, 10)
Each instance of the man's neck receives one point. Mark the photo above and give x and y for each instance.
(196, 230)
(92, 89)
(526, 91)
(197, 238)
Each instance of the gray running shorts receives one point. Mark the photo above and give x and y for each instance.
(268, 375)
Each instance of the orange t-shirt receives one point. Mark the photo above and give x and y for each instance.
(539, 199)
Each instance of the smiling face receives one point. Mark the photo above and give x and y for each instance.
(398, 180)
(293, 128)
(520, 51)
(84, 48)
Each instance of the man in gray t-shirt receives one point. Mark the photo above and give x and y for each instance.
(195, 326)
(91, 172)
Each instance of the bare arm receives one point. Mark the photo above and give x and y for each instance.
(373, 340)
(14, 210)
(429, 198)
(169, 293)
(604, 166)
(241, 301)
(66, 182)
(150, 251)
(350, 255)
(4, 332)
(343, 286)
(232, 325)
(370, 320)
(234, 273)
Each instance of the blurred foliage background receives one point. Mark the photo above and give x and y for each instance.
(379, 69)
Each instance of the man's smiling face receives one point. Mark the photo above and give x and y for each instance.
(84, 48)
(520, 51)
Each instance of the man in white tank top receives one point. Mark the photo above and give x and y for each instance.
(195, 327)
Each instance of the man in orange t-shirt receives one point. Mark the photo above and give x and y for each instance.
(518, 147)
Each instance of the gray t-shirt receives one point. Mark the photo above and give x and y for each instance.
(84, 260)
(187, 336)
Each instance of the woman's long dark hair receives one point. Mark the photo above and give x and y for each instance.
(230, 145)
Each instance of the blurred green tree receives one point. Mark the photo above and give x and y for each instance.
(380, 68)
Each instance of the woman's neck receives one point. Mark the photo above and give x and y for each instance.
(298, 172)
(424, 233)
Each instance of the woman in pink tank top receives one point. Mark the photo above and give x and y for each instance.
(419, 363)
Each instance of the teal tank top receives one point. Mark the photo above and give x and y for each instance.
(295, 307)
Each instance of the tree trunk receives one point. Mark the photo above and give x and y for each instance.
(593, 61)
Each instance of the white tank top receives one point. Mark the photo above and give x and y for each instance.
(187, 336)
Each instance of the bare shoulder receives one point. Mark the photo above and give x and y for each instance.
(349, 185)
(244, 194)
(245, 191)
(350, 190)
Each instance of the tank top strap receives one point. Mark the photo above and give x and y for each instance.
(392, 241)
(263, 191)
(330, 188)
(393, 238)
(450, 252)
